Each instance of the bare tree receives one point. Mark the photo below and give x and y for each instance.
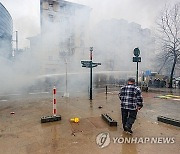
(169, 28)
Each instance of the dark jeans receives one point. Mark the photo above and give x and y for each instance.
(128, 117)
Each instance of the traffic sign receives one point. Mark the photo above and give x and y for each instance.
(90, 64)
(136, 59)
(95, 64)
(136, 52)
(147, 73)
(87, 64)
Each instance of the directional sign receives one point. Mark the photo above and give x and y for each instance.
(90, 64)
(136, 59)
(95, 64)
(87, 64)
(84, 62)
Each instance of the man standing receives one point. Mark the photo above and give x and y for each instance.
(179, 84)
(131, 102)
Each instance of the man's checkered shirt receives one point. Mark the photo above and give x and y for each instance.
(130, 97)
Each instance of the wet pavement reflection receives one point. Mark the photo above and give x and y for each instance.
(22, 131)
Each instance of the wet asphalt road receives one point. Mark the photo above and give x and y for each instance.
(23, 133)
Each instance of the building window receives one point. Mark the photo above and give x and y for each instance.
(50, 4)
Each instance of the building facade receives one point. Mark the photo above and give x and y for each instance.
(116, 39)
(6, 30)
(63, 30)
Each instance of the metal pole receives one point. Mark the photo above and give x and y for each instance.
(137, 75)
(66, 75)
(90, 74)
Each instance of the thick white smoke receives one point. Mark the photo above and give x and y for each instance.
(113, 41)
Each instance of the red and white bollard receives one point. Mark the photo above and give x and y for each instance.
(54, 102)
(54, 117)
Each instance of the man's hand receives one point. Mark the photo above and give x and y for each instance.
(139, 108)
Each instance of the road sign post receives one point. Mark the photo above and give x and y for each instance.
(91, 50)
(90, 64)
(137, 74)
(137, 59)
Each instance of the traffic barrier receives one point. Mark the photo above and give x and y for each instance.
(109, 120)
(169, 121)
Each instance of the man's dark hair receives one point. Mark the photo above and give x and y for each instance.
(131, 80)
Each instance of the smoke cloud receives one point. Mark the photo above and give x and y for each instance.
(112, 37)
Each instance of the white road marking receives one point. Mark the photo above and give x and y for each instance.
(38, 93)
(33, 93)
(44, 92)
(3, 100)
(14, 94)
(176, 99)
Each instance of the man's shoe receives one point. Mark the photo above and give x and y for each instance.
(124, 129)
(127, 129)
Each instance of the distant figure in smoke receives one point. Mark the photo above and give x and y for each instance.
(179, 84)
(158, 83)
(155, 82)
(131, 102)
(150, 83)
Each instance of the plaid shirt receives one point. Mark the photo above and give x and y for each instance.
(130, 97)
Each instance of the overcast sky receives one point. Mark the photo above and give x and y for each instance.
(26, 20)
